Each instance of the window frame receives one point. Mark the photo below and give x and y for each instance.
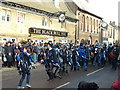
(87, 30)
(97, 27)
(44, 22)
(83, 23)
(63, 25)
(8, 16)
(4, 16)
(20, 18)
(91, 25)
(94, 27)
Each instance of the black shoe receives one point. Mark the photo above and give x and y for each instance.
(59, 77)
(49, 79)
(66, 71)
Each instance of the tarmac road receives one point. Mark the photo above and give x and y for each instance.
(102, 76)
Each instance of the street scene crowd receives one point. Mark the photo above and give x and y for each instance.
(57, 58)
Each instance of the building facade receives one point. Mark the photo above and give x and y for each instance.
(89, 30)
(29, 19)
(111, 35)
(25, 21)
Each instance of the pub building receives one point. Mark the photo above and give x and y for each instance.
(50, 20)
(33, 20)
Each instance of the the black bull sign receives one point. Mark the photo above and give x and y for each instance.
(47, 32)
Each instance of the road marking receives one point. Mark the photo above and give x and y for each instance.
(62, 85)
(95, 71)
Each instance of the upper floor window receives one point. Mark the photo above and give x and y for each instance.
(91, 24)
(3, 15)
(111, 33)
(63, 25)
(21, 18)
(44, 22)
(87, 24)
(97, 26)
(6, 14)
(94, 26)
(83, 23)
(56, 3)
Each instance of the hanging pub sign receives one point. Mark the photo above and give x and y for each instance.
(47, 32)
(62, 17)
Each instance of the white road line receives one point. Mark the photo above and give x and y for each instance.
(94, 71)
(61, 86)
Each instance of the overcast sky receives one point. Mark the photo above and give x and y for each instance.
(107, 9)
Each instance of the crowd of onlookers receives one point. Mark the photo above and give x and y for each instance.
(97, 54)
(59, 58)
(9, 51)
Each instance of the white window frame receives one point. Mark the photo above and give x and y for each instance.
(44, 22)
(6, 14)
(20, 18)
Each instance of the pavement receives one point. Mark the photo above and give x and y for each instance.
(104, 77)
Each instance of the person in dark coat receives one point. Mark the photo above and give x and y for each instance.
(55, 62)
(88, 52)
(2, 52)
(48, 63)
(110, 48)
(113, 59)
(1, 60)
(16, 52)
(24, 65)
(82, 53)
(74, 59)
(83, 85)
(65, 59)
(12, 44)
(9, 54)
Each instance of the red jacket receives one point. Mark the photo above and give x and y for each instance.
(112, 56)
(116, 84)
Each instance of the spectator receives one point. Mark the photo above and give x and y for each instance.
(9, 54)
(83, 85)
